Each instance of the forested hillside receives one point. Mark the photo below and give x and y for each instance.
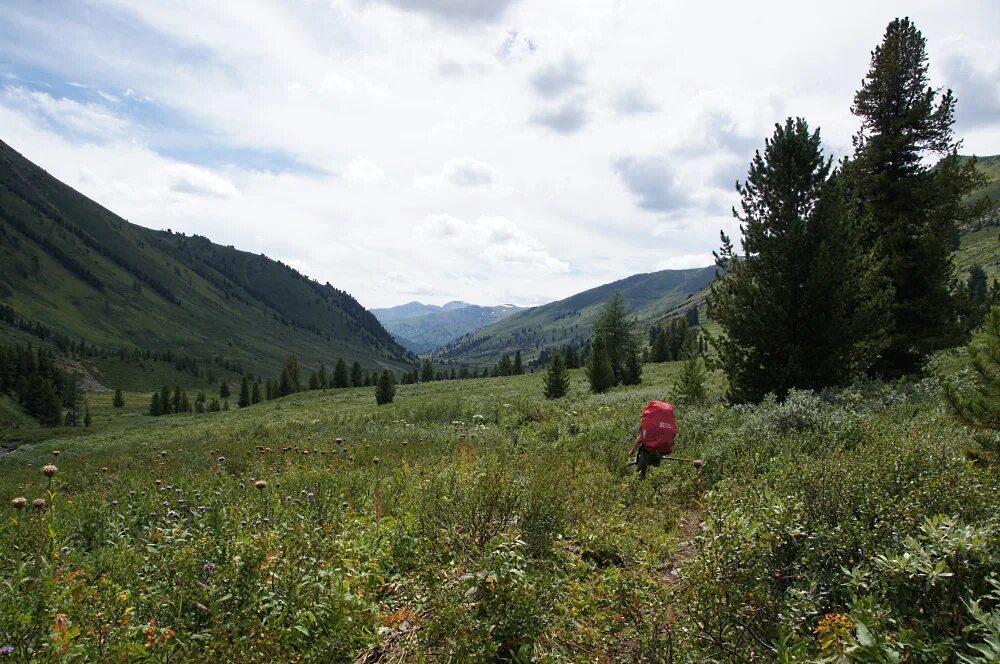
(71, 266)
(569, 321)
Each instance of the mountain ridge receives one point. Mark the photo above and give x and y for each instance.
(422, 328)
(72, 265)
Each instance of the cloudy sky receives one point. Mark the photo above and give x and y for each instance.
(486, 150)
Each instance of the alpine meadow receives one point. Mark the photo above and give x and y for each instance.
(704, 365)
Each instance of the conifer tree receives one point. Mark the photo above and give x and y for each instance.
(426, 371)
(154, 405)
(979, 407)
(690, 384)
(176, 404)
(87, 421)
(321, 377)
(255, 396)
(224, 389)
(341, 378)
(617, 327)
(661, 351)
(556, 379)
(290, 377)
(165, 408)
(385, 391)
(244, 393)
(909, 187)
(313, 381)
(518, 367)
(790, 307)
(73, 401)
(357, 379)
(600, 372)
(119, 400)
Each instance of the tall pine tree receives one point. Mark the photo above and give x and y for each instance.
(908, 189)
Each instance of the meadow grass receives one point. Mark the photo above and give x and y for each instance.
(465, 522)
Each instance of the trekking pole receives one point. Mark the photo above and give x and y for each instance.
(697, 463)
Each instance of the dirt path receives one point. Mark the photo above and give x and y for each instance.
(690, 526)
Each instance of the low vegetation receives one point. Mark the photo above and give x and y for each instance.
(465, 521)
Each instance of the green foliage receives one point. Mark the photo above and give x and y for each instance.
(119, 401)
(556, 379)
(979, 405)
(385, 391)
(600, 371)
(791, 307)
(341, 377)
(690, 385)
(616, 327)
(909, 207)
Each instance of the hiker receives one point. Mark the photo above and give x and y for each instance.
(656, 436)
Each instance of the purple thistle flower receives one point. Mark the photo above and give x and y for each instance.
(6, 650)
(208, 568)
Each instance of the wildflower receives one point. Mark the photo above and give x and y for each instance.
(208, 568)
(19, 503)
(49, 470)
(39, 503)
(6, 650)
(260, 484)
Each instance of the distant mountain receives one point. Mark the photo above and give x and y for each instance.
(80, 270)
(651, 296)
(425, 327)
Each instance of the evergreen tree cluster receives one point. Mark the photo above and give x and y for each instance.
(30, 376)
(847, 271)
(616, 352)
(667, 342)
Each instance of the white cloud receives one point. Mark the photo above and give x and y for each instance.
(685, 261)
(89, 121)
(188, 179)
(363, 171)
(610, 131)
(493, 238)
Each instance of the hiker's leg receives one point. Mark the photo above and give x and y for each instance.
(642, 462)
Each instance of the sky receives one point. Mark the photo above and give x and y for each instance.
(492, 151)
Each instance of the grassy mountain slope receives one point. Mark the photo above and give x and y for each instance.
(438, 326)
(80, 269)
(990, 167)
(569, 321)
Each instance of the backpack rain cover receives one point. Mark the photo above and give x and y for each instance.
(659, 427)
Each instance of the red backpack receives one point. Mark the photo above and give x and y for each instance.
(658, 427)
